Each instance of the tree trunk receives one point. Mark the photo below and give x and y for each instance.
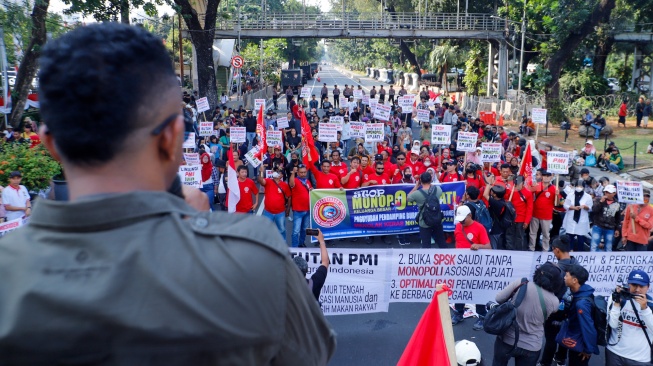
(601, 52)
(29, 64)
(410, 56)
(202, 40)
(124, 11)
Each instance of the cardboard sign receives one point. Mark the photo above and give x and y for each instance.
(192, 158)
(275, 138)
(467, 141)
(357, 130)
(189, 143)
(257, 105)
(191, 175)
(366, 99)
(202, 105)
(441, 134)
(343, 102)
(374, 132)
(206, 128)
(382, 112)
(339, 121)
(557, 162)
(490, 152)
(629, 192)
(282, 122)
(373, 103)
(538, 115)
(358, 94)
(238, 135)
(423, 115)
(305, 92)
(406, 102)
(327, 132)
(252, 158)
(352, 105)
(268, 173)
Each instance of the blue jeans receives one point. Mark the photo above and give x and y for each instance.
(250, 139)
(598, 233)
(597, 130)
(279, 220)
(300, 220)
(209, 189)
(613, 168)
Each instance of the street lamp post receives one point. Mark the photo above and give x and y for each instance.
(521, 53)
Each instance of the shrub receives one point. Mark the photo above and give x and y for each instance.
(36, 165)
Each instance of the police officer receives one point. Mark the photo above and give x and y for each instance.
(126, 272)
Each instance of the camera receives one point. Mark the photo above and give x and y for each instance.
(623, 295)
(491, 305)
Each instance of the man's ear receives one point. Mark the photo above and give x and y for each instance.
(171, 140)
(48, 140)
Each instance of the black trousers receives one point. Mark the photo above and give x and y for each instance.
(551, 348)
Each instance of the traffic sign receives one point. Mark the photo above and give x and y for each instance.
(237, 62)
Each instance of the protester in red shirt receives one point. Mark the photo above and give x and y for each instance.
(546, 196)
(354, 178)
(474, 177)
(504, 179)
(337, 166)
(522, 201)
(276, 195)
(383, 146)
(401, 165)
(414, 163)
(366, 167)
(450, 174)
(325, 179)
(378, 178)
(387, 164)
(487, 167)
(300, 187)
(247, 189)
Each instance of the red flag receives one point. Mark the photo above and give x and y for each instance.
(526, 169)
(309, 152)
(232, 183)
(428, 345)
(260, 131)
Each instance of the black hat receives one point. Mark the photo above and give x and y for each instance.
(15, 174)
(378, 157)
(547, 173)
(220, 163)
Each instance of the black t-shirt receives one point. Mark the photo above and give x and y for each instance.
(293, 141)
(319, 277)
(250, 124)
(496, 208)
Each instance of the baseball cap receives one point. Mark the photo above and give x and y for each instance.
(15, 174)
(638, 277)
(547, 173)
(610, 189)
(426, 143)
(378, 157)
(467, 353)
(589, 142)
(415, 150)
(462, 212)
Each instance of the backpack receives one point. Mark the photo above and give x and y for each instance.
(482, 214)
(508, 215)
(430, 212)
(501, 317)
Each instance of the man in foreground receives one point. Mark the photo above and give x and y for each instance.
(126, 273)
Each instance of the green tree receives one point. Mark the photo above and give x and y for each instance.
(442, 58)
(475, 69)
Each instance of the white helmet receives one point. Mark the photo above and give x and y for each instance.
(467, 353)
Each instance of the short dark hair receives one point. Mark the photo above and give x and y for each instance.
(549, 277)
(578, 272)
(473, 192)
(505, 166)
(242, 167)
(94, 83)
(355, 158)
(401, 154)
(379, 163)
(425, 178)
(326, 161)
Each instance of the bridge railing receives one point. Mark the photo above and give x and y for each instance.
(363, 21)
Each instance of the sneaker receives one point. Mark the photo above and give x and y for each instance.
(404, 242)
(456, 318)
(560, 363)
(479, 323)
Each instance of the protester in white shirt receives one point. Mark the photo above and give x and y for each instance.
(16, 198)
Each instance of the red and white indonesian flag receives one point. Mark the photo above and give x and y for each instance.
(232, 183)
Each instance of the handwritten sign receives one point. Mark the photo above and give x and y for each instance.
(343, 102)
(206, 128)
(274, 138)
(467, 141)
(202, 105)
(252, 157)
(374, 132)
(257, 105)
(539, 115)
(366, 99)
(441, 134)
(327, 132)
(557, 162)
(192, 158)
(357, 129)
(282, 122)
(382, 112)
(238, 135)
(490, 152)
(305, 92)
(423, 115)
(191, 175)
(629, 192)
(339, 121)
(189, 143)
(406, 102)
(358, 94)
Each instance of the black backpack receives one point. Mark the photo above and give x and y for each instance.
(430, 211)
(508, 215)
(501, 317)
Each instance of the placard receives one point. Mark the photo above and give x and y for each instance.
(339, 121)
(373, 103)
(192, 158)
(467, 141)
(305, 93)
(358, 94)
(557, 162)
(282, 122)
(274, 138)
(629, 192)
(191, 175)
(352, 105)
(538, 115)
(202, 105)
(257, 105)
(366, 99)
(374, 132)
(357, 130)
(238, 135)
(206, 128)
(490, 152)
(344, 101)
(327, 132)
(406, 102)
(382, 112)
(423, 115)
(268, 173)
(252, 157)
(441, 134)
(189, 143)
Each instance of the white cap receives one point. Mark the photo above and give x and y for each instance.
(610, 189)
(589, 142)
(466, 352)
(462, 212)
(415, 150)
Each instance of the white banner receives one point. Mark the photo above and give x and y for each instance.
(189, 143)
(327, 132)
(282, 122)
(382, 112)
(423, 115)
(467, 141)
(257, 105)
(366, 99)
(206, 128)
(630, 192)
(238, 135)
(538, 115)
(441, 134)
(305, 93)
(252, 158)
(191, 175)
(557, 162)
(9, 226)
(274, 138)
(357, 129)
(490, 152)
(358, 94)
(192, 158)
(202, 105)
(338, 121)
(374, 132)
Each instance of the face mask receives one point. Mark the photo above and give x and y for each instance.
(295, 160)
(407, 175)
(579, 189)
(427, 163)
(276, 175)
